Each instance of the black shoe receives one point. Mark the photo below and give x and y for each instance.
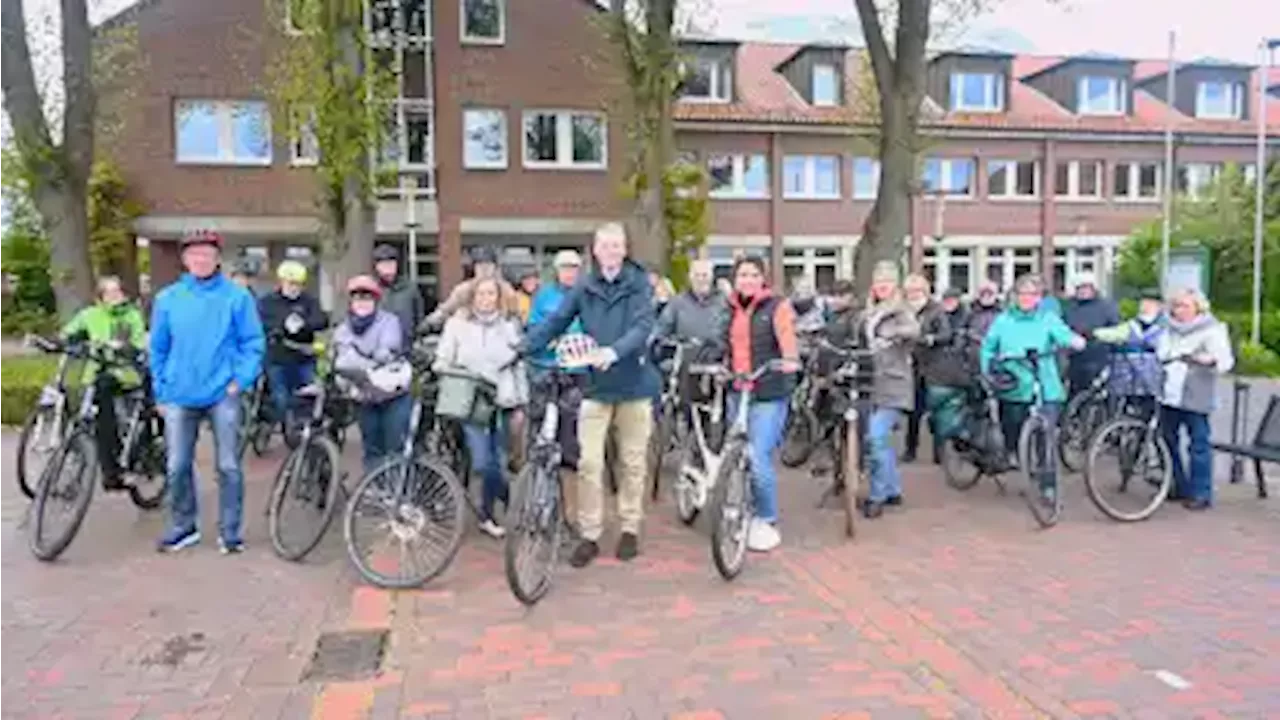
(113, 483)
(894, 500)
(628, 547)
(872, 510)
(1196, 504)
(586, 551)
(909, 456)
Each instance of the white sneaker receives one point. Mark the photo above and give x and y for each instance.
(492, 529)
(762, 536)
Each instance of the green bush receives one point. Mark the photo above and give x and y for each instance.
(22, 377)
(1241, 324)
(1257, 361)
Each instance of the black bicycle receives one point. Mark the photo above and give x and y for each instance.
(1037, 449)
(668, 431)
(801, 432)
(66, 485)
(1083, 415)
(848, 400)
(43, 429)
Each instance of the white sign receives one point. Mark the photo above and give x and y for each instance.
(1185, 272)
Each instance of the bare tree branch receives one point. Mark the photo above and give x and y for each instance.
(877, 47)
(21, 99)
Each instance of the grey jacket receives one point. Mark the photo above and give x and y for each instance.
(689, 317)
(381, 343)
(483, 347)
(403, 300)
(1187, 385)
(891, 330)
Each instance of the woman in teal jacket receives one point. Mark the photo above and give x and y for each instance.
(1027, 326)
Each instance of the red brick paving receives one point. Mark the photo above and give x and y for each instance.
(955, 607)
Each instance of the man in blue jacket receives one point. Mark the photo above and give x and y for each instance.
(206, 348)
(615, 305)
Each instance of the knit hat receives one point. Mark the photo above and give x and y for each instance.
(885, 271)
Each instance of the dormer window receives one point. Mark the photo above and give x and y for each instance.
(707, 80)
(1220, 100)
(977, 92)
(825, 91)
(1101, 95)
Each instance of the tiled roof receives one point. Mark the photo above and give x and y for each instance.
(764, 96)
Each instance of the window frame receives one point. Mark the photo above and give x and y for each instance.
(719, 87)
(993, 92)
(1118, 93)
(468, 39)
(1071, 191)
(296, 144)
(809, 175)
(1011, 168)
(945, 166)
(224, 114)
(738, 186)
(1134, 169)
(835, 85)
(1210, 171)
(875, 178)
(1235, 100)
(506, 139)
(564, 141)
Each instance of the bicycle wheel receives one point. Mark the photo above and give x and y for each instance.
(849, 447)
(404, 522)
(732, 511)
(684, 490)
(534, 526)
(1083, 416)
(150, 473)
(36, 445)
(659, 444)
(1129, 471)
(304, 498)
(797, 438)
(63, 498)
(1036, 455)
(958, 468)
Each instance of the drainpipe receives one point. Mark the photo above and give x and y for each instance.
(776, 255)
(1048, 211)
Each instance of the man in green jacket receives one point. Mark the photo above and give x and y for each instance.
(113, 322)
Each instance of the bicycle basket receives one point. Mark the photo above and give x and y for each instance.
(465, 398)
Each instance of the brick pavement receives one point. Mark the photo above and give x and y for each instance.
(953, 607)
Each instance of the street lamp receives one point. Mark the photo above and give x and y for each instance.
(1265, 48)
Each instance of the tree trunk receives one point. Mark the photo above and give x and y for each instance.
(889, 222)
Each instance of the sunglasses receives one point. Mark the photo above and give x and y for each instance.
(363, 295)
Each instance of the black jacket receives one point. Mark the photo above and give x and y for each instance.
(276, 309)
(1083, 317)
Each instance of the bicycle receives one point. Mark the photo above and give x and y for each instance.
(311, 474)
(1037, 446)
(978, 450)
(42, 429)
(849, 453)
(142, 453)
(415, 500)
(701, 446)
(255, 422)
(733, 501)
(800, 433)
(1083, 415)
(666, 426)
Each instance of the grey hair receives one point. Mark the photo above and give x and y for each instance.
(106, 280)
(611, 229)
(1030, 281)
(1195, 296)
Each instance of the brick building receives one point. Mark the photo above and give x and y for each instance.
(506, 132)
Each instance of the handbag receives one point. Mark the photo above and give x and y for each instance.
(465, 399)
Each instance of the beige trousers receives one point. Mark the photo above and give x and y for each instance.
(631, 422)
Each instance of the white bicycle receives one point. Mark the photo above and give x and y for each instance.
(702, 446)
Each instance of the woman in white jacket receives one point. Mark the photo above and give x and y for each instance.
(481, 339)
(1196, 350)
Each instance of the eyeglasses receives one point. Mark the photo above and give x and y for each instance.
(363, 295)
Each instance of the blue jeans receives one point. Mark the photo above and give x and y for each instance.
(382, 429)
(487, 446)
(284, 379)
(885, 480)
(766, 420)
(181, 429)
(1199, 485)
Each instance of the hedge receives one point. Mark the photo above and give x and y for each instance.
(22, 377)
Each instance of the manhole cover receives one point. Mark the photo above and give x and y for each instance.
(349, 655)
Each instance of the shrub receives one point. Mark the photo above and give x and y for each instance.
(1257, 360)
(22, 378)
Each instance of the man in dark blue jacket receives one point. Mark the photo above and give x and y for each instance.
(1086, 312)
(206, 348)
(615, 306)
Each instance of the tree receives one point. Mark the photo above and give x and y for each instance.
(112, 210)
(29, 303)
(57, 173)
(332, 93)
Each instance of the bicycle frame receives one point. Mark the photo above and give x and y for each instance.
(704, 477)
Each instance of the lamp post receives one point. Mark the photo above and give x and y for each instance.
(1265, 48)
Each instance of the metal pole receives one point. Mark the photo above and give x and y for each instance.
(411, 223)
(1166, 228)
(1259, 184)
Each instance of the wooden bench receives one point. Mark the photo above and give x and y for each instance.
(1265, 447)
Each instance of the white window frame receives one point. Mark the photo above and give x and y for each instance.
(738, 189)
(1010, 189)
(564, 140)
(1117, 94)
(809, 189)
(875, 178)
(298, 155)
(1235, 98)
(944, 177)
(506, 138)
(1135, 176)
(829, 70)
(993, 92)
(226, 134)
(717, 67)
(1072, 191)
(468, 39)
(1206, 172)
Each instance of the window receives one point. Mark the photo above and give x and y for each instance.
(981, 92)
(1220, 100)
(484, 21)
(565, 140)
(811, 176)
(738, 176)
(1078, 179)
(1013, 178)
(959, 270)
(484, 139)
(1101, 95)
(1194, 178)
(824, 90)
(222, 132)
(866, 178)
(409, 16)
(707, 80)
(950, 176)
(304, 146)
(1137, 181)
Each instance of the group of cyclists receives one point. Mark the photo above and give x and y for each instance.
(210, 338)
